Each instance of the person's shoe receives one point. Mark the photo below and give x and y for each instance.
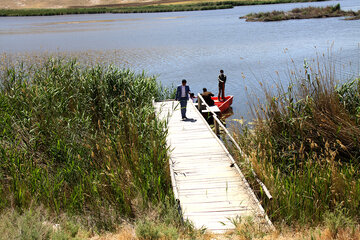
(184, 118)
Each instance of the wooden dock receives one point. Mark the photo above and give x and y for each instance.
(211, 189)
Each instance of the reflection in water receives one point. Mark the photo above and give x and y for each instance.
(228, 113)
(89, 21)
(50, 30)
(102, 21)
(96, 25)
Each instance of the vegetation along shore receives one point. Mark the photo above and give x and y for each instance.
(84, 156)
(146, 7)
(305, 145)
(80, 145)
(303, 13)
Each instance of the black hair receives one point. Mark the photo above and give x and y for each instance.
(183, 81)
(204, 89)
(221, 71)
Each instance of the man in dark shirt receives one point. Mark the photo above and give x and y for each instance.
(207, 97)
(222, 80)
(182, 95)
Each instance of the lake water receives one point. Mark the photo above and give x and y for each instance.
(196, 45)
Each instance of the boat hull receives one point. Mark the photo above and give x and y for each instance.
(223, 105)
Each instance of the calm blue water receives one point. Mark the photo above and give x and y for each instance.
(195, 45)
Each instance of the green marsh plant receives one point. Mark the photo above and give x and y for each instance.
(304, 145)
(81, 140)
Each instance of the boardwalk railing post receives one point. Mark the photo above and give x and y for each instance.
(216, 125)
(199, 103)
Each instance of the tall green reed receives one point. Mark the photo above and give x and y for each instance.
(305, 146)
(82, 140)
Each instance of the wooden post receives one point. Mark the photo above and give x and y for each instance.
(216, 125)
(199, 103)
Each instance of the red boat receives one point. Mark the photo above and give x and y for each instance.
(223, 105)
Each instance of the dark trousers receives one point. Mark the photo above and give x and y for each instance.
(221, 91)
(183, 103)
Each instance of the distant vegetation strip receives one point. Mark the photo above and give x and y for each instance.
(303, 13)
(142, 9)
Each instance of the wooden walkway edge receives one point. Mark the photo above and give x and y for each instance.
(211, 192)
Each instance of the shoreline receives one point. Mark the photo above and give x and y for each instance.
(143, 7)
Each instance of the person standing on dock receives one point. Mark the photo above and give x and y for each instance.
(222, 80)
(182, 95)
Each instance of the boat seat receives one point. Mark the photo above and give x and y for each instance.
(215, 109)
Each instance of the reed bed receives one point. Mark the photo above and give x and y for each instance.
(305, 147)
(199, 6)
(81, 140)
(302, 13)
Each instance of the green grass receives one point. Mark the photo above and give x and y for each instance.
(38, 224)
(305, 147)
(302, 13)
(81, 140)
(142, 9)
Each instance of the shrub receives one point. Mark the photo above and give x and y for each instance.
(302, 13)
(337, 220)
(150, 230)
(37, 224)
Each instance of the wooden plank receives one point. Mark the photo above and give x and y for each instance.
(200, 171)
(233, 194)
(212, 200)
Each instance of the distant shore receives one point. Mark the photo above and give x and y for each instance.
(302, 13)
(142, 7)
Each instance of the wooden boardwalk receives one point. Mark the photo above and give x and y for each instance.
(211, 191)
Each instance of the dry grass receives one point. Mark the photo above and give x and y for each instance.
(41, 4)
(202, 1)
(317, 233)
(126, 232)
(248, 230)
(22, 4)
(39, 224)
(53, 4)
